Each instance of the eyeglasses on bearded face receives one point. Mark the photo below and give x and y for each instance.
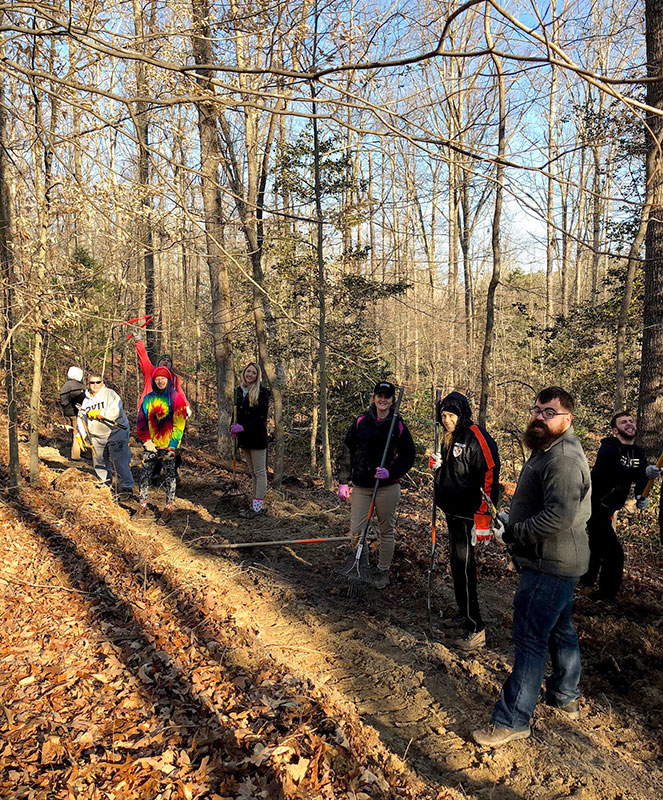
(546, 413)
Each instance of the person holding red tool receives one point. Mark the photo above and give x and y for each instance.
(147, 367)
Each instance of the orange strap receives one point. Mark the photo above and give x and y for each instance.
(490, 463)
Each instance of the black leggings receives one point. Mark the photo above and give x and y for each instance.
(165, 461)
(464, 571)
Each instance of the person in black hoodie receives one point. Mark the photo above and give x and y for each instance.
(250, 430)
(72, 395)
(360, 463)
(619, 463)
(468, 463)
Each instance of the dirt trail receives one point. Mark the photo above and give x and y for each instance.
(423, 699)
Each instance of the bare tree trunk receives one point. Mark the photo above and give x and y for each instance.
(550, 193)
(496, 245)
(210, 155)
(7, 264)
(322, 288)
(144, 223)
(650, 408)
(596, 224)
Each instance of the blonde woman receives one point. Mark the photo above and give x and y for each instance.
(250, 430)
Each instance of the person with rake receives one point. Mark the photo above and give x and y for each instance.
(250, 431)
(360, 462)
(468, 463)
(160, 426)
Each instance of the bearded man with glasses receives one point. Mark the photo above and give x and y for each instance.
(546, 529)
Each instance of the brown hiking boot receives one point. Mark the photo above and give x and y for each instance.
(494, 736)
(380, 578)
(471, 641)
(166, 516)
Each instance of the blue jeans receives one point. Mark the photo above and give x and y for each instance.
(541, 621)
(113, 453)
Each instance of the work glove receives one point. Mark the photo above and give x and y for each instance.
(481, 529)
(169, 453)
(652, 472)
(435, 461)
(94, 413)
(236, 429)
(343, 492)
(189, 412)
(138, 334)
(382, 473)
(499, 526)
(150, 446)
(82, 442)
(641, 502)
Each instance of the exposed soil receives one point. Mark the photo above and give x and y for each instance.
(264, 648)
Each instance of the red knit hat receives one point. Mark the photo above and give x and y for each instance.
(162, 372)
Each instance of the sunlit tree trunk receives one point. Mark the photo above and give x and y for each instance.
(650, 409)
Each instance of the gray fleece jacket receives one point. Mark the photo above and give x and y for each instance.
(550, 509)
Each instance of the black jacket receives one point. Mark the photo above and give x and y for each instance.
(617, 466)
(470, 463)
(364, 445)
(253, 419)
(72, 395)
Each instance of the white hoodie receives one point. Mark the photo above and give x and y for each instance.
(110, 406)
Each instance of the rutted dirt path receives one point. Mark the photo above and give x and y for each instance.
(373, 651)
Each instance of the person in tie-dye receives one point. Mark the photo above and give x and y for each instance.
(160, 425)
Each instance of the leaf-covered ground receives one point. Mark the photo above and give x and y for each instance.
(139, 661)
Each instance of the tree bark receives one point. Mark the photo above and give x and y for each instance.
(210, 155)
(7, 264)
(489, 337)
(650, 408)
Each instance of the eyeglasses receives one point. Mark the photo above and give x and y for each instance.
(546, 413)
(93, 382)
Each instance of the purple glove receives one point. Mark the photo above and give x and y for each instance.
(236, 428)
(382, 473)
(343, 492)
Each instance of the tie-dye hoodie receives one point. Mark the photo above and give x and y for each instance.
(162, 415)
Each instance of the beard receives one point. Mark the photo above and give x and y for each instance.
(538, 437)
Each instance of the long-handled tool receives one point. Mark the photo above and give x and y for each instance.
(650, 483)
(146, 317)
(232, 490)
(510, 560)
(277, 542)
(358, 569)
(433, 529)
(106, 421)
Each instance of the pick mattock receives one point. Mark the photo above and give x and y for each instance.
(650, 483)
(433, 528)
(357, 570)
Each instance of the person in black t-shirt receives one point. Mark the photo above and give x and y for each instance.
(619, 463)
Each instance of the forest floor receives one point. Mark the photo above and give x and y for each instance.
(143, 661)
